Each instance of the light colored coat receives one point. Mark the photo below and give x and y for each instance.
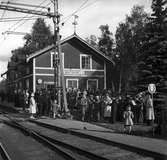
(32, 106)
(128, 116)
(107, 106)
(149, 109)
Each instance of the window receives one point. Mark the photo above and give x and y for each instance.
(53, 58)
(50, 87)
(72, 83)
(27, 84)
(27, 70)
(20, 84)
(92, 84)
(85, 62)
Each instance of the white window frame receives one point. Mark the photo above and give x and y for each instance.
(85, 55)
(69, 79)
(51, 59)
(27, 84)
(97, 83)
(20, 84)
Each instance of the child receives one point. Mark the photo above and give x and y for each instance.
(55, 108)
(84, 105)
(128, 116)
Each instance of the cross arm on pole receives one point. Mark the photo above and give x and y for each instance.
(24, 10)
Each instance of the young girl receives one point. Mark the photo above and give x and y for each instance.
(55, 108)
(128, 116)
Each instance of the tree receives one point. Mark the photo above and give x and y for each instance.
(106, 41)
(128, 42)
(153, 59)
(40, 36)
(92, 40)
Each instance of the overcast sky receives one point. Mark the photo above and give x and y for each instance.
(93, 14)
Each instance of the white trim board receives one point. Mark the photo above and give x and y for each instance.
(66, 75)
(34, 78)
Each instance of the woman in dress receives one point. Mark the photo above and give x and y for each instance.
(149, 110)
(107, 104)
(32, 106)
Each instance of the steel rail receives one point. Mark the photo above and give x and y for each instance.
(156, 155)
(55, 144)
(4, 153)
(39, 138)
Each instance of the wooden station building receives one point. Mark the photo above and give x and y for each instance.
(84, 67)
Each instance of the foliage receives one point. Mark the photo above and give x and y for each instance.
(128, 42)
(92, 40)
(39, 38)
(106, 41)
(153, 60)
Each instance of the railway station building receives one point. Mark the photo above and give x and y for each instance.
(84, 67)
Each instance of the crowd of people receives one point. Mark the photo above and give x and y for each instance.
(89, 105)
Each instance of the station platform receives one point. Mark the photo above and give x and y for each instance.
(145, 144)
(151, 145)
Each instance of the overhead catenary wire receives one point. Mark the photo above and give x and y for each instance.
(82, 7)
(10, 29)
(27, 19)
(3, 13)
(27, 15)
(6, 18)
(21, 4)
(69, 16)
(22, 19)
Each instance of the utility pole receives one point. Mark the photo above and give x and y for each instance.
(57, 50)
(58, 68)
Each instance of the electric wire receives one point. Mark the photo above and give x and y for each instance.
(10, 29)
(64, 20)
(78, 10)
(15, 20)
(27, 15)
(2, 16)
(24, 21)
(3, 13)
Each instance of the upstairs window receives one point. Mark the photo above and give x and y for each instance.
(85, 62)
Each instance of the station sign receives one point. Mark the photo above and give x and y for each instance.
(151, 88)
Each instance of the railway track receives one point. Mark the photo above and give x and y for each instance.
(79, 146)
(81, 138)
(55, 151)
(84, 146)
(3, 153)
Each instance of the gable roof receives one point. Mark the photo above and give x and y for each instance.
(48, 48)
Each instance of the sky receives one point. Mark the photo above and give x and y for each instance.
(91, 14)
